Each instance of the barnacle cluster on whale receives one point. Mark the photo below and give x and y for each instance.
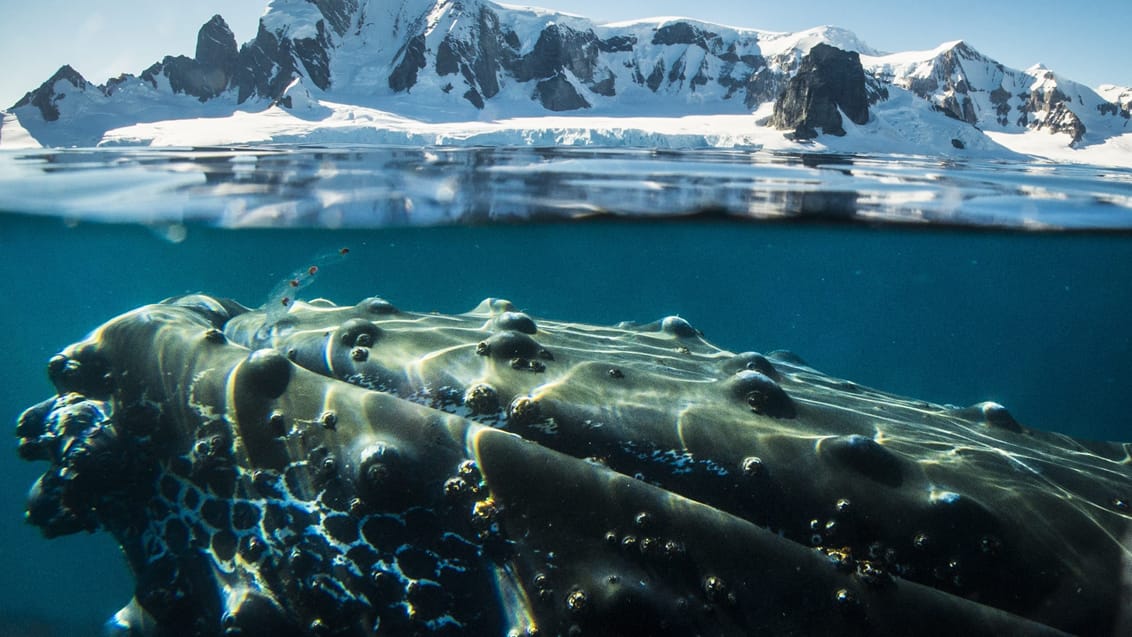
(362, 470)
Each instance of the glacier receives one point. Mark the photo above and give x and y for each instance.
(472, 72)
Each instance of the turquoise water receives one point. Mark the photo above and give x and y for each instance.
(949, 313)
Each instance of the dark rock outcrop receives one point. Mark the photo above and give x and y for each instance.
(266, 65)
(959, 73)
(216, 45)
(558, 94)
(560, 49)
(404, 75)
(1058, 117)
(682, 33)
(488, 51)
(269, 63)
(493, 51)
(829, 82)
(338, 13)
(949, 79)
(210, 72)
(478, 59)
(314, 55)
(1000, 97)
(46, 97)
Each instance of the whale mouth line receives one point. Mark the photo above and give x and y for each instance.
(490, 473)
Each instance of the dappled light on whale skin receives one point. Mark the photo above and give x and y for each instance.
(372, 469)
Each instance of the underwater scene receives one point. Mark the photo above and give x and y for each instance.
(349, 390)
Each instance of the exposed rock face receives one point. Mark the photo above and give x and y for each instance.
(46, 97)
(948, 80)
(558, 94)
(970, 87)
(404, 75)
(1047, 107)
(339, 14)
(269, 63)
(564, 62)
(210, 72)
(494, 52)
(683, 33)
(216, 45)
(829, 82)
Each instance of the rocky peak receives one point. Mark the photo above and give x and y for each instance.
(209, 73)
(965, 85)
(216, 44)
(46, 97)
(948, 86)
(828, 82)
(1049, 109)
(1054, 103)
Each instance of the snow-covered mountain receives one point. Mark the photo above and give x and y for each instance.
(968, 86)
(423, 71)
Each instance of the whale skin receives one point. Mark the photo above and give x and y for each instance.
(363, 470)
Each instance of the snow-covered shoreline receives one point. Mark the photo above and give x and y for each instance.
(347, 124)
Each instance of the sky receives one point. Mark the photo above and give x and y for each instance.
(1089, 42)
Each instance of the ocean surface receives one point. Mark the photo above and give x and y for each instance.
(949, 282)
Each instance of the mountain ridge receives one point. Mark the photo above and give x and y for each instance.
(471, 60)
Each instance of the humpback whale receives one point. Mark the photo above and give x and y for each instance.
(364, 470)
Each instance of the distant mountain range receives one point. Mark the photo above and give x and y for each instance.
(446, 61)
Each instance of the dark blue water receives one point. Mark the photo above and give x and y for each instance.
(1035, 321)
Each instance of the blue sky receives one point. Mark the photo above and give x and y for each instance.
(1086, 41)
